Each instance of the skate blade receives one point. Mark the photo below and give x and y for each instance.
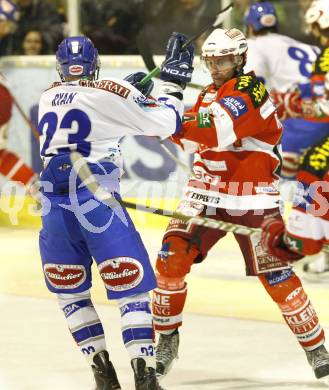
(316, 276)
(325, 380)
(161, 376)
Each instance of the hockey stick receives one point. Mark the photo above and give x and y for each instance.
(145, 52)
(23, 114)
(82, 169)
(90, 181)
(220, 17)
(26, 118)
(173, 157)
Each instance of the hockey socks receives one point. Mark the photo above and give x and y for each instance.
(168, 308)
(84, 323)
(287, 291)
(137, 327)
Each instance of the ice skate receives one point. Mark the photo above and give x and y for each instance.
(319, 361)
(166, 352)
(104, 372)
(318, 269)
(145, 378)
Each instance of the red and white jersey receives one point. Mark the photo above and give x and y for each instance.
(6, 105)
(281, 61)
(308, 222)
(6, 102)
(236, 154)
(92, 117)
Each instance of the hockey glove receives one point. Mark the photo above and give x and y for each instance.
(273, 230)
(177, 66)
(135, 78)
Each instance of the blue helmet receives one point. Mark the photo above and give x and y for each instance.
(8, 11)
(77, 56)
(261, 15)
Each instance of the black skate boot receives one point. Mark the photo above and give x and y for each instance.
(104, 372)
(145, 378)
(166, 352)
(319, 361)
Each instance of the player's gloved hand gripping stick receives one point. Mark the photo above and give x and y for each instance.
(167, 65)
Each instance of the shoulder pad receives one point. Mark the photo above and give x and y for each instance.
(316, 159)
(253, 87)
(321, 64)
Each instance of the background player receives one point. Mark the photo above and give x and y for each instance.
(11, 165)
(234, 132)
(89, 115)
(284, 64)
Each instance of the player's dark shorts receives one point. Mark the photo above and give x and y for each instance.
(205, 238)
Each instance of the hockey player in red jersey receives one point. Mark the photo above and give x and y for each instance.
(307, 228)
(233, 131)
(11, 166)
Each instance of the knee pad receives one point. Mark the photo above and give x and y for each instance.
(281, 284)
(176, 257)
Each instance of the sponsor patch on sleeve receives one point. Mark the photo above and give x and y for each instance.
(236, 105)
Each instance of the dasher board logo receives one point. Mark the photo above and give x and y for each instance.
(64, 276)
(121, 273)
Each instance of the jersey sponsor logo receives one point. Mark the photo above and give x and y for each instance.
(178, 224)
(107, 85)
(274, 278)
(254, 88)
(64, 276)
(236, 105)
(121, 273)
(213, 200)
(200, 174)
(316, 159)
(204, 120)
(266, 190)
(321, 65)
(76, 70)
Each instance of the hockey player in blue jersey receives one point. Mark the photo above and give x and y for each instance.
(89, 115)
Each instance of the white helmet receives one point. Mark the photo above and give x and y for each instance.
(223, 42)
(318, 13)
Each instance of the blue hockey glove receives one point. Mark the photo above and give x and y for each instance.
(177, 66)
(135, 78)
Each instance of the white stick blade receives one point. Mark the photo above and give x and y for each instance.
(222, 16)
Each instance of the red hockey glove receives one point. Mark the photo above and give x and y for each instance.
(272, 234)
(288, 104)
